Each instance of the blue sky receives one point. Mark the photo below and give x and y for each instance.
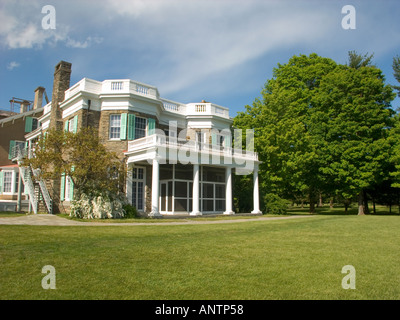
(222, 51)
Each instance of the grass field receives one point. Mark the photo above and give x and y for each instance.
(279, 259)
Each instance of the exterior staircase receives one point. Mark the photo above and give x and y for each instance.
(35, 187)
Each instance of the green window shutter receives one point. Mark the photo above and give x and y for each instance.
(71, 189)
(28, 124)
(75, 129)
(131, 126)
(12, 145)
(71, 186)
(62, 193)
(66, 124)
(122, 134)
(151, 127)
(1, 181)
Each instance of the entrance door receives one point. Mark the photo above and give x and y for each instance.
(166, 196)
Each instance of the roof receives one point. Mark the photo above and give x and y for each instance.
(5, 114)
(21, 115)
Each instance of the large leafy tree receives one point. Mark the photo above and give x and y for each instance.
(322, 127)
(282, 121)
(357, 120)
(82, 157)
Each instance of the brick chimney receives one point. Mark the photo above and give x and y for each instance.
(37, 103)
(62, 77)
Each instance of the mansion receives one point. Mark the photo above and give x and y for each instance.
(180, 158)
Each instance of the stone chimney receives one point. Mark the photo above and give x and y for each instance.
(25, 106)
(62, 77)
(37, 103)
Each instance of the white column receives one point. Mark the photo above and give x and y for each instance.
(228, 191)
(256, 197)
(155, 189)
(196, 191)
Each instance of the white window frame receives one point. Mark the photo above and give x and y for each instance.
(71, 125)
(10, 182)
(114, 135)
(137, 180)
(67, 187)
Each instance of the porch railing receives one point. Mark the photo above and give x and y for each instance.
(160, 140)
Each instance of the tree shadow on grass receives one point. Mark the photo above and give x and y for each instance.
(340, 210)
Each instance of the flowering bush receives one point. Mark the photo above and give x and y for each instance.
(102, 206)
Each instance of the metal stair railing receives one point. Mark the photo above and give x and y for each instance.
(45, 193)
(18, 153)
(29, 187)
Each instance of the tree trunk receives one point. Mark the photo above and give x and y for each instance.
(331, 203)
(321, 203)
(362, 203)
(312, 206)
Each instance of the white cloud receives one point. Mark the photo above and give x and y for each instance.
(85, 44)
(21, 29)
(196, 39)
(12, 65)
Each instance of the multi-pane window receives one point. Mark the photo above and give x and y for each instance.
(115, 126)
(7, 181)
(140, 128)
(138, 188)
(35, 123)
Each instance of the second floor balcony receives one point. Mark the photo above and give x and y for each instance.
(187, 151)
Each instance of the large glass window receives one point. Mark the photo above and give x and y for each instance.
(115, 126)
(213, 189)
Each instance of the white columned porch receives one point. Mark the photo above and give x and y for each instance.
(256, 196)
(196, 191)
(155, 189)
(228, 191)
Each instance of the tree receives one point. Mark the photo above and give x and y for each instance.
(396, 73)
(358, 118)
(290, 153)
(82, 157)
(357, 61)
(322, 128)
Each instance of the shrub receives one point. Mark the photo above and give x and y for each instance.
(130, 211)
(275, 204)
(100, 206)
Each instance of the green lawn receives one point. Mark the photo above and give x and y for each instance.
(286, 259)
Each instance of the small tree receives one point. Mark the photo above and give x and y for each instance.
(82, 157)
